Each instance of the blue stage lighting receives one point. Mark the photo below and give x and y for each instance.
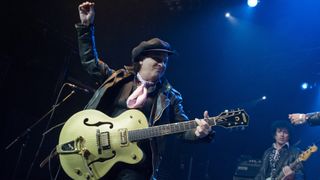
(252, 3)
(304, 86)
(227, 14)
(264, 97)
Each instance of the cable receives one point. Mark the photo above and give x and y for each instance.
(49, 164)
(56, 104)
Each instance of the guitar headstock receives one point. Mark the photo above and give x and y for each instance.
(307, 153)
(234, 118)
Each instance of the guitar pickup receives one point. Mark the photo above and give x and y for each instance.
(123, 137)
(103, 140)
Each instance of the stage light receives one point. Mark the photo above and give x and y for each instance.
(227, 14)
(304, 86)
(264, 97)
(252, 3)
(230, 18)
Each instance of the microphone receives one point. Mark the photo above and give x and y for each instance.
(77, 88)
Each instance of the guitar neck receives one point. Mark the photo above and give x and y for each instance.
(167, 129)
(302, 157)
(293, 167)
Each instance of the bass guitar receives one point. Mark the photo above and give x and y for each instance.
(295, 164)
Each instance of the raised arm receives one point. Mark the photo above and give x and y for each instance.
(87, 49)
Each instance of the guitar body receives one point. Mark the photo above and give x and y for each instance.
(91, 142)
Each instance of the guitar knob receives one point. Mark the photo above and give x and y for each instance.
(133, 156)
(78, 172)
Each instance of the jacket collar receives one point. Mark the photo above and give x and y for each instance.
(286, 145)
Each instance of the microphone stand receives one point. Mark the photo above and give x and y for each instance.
(29, 129)
(24, 144)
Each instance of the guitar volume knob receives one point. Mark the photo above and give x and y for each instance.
(78, 172)
(134, 156)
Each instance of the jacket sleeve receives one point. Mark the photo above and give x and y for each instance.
(261, 174)
(314, 118)
(89, 56)
(180, 116)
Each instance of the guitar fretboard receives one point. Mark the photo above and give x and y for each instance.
(166, 129)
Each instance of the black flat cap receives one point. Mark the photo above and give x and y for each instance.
(152, 45)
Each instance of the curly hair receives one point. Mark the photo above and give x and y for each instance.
(281, 125)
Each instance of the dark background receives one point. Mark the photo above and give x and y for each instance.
(222, 64)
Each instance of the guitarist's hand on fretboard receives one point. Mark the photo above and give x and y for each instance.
(203, 128)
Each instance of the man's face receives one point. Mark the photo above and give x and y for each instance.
(281, 136)
(154, 65)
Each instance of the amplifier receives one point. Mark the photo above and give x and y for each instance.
(247, 169)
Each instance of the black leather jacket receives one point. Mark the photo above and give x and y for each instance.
(287, 156)
(169, 107)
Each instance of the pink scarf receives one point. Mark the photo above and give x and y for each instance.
(139, 96)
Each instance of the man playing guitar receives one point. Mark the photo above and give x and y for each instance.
(277, 159)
